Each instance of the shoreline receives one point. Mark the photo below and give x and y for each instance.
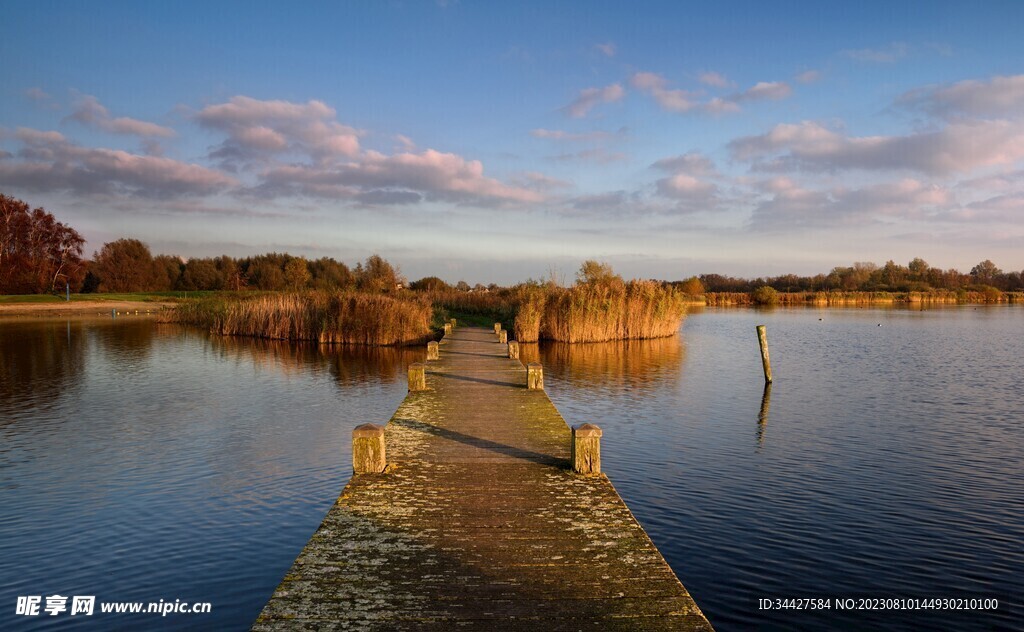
(80, 309)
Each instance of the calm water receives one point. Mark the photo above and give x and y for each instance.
(141, 462)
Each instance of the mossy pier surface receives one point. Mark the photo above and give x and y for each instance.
(479, 522)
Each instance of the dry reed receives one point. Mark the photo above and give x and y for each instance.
(348, 318)
(599, 312)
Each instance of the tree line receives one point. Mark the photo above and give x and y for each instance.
(39, 254)
(917, 276)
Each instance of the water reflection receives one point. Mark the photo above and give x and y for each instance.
(624, 364)
(347, 365)
(762, 416)
(38, 360)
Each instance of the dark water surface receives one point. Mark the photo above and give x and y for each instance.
(141, 462)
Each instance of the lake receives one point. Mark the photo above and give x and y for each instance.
(141, 461)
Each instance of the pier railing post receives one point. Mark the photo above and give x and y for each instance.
(586, 449)
(452, 321)
(762, 340)
(368, 456)
(447, 329)
(417, 377)
(513, 350)
(503, 337)
(432, 353)
(535, 376)
(497, 327)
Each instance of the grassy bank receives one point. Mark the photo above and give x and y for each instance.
(346, 318)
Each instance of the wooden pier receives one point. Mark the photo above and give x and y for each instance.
(479, 521)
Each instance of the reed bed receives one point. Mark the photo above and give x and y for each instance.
(346, 318)
(600, 312)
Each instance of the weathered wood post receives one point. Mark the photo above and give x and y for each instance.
(535, 376)
(497, 327)
(762, 339)
(417, 377)
(503, 337)
(586, 449)
(452, 321)
(432, 353)
(368, 455)
(447, 329)
(513, 350)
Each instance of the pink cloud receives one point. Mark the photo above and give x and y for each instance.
(433, 175)
(714, 79)
(90, 112)
(48, 161)
(590, 97)
(765, 90)
(257, 130)
(958, 148)
(995, 97)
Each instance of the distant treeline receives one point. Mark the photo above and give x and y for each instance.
(918, 276)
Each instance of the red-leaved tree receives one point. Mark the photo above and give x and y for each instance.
(37, 253)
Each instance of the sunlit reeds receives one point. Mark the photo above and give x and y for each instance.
(598, 312)
(347, 318)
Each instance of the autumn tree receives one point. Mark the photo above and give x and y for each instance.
(125, 265)
(430, 284)
(692, 287)
(37, 253)
(296, 274)
(376, 275)
(596, 273)
(168, 269)
(985, 272)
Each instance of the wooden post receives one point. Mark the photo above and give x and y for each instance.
(586, 449)
(513, 350)
(417, 377)
(535, 376)
(762, 339)
(432, 351)
(452, 321)
(497, 327)
(447, 329)
(368, 455)
(503, 337)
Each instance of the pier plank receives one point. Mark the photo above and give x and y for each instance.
(479, 522)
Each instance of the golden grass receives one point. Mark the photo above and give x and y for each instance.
(347, 318)
(599, 312)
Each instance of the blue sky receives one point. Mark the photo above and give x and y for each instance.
(487, 142)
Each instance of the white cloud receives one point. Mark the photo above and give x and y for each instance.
(431, 174)
(258, 130)
(590, 97)
(50, 162)
(793, 206)
(656, 86)
(90, 112)
(995, 97)
(957, 148)
(683, 101)
(608, 49)
(765, 90)
(715, 80)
